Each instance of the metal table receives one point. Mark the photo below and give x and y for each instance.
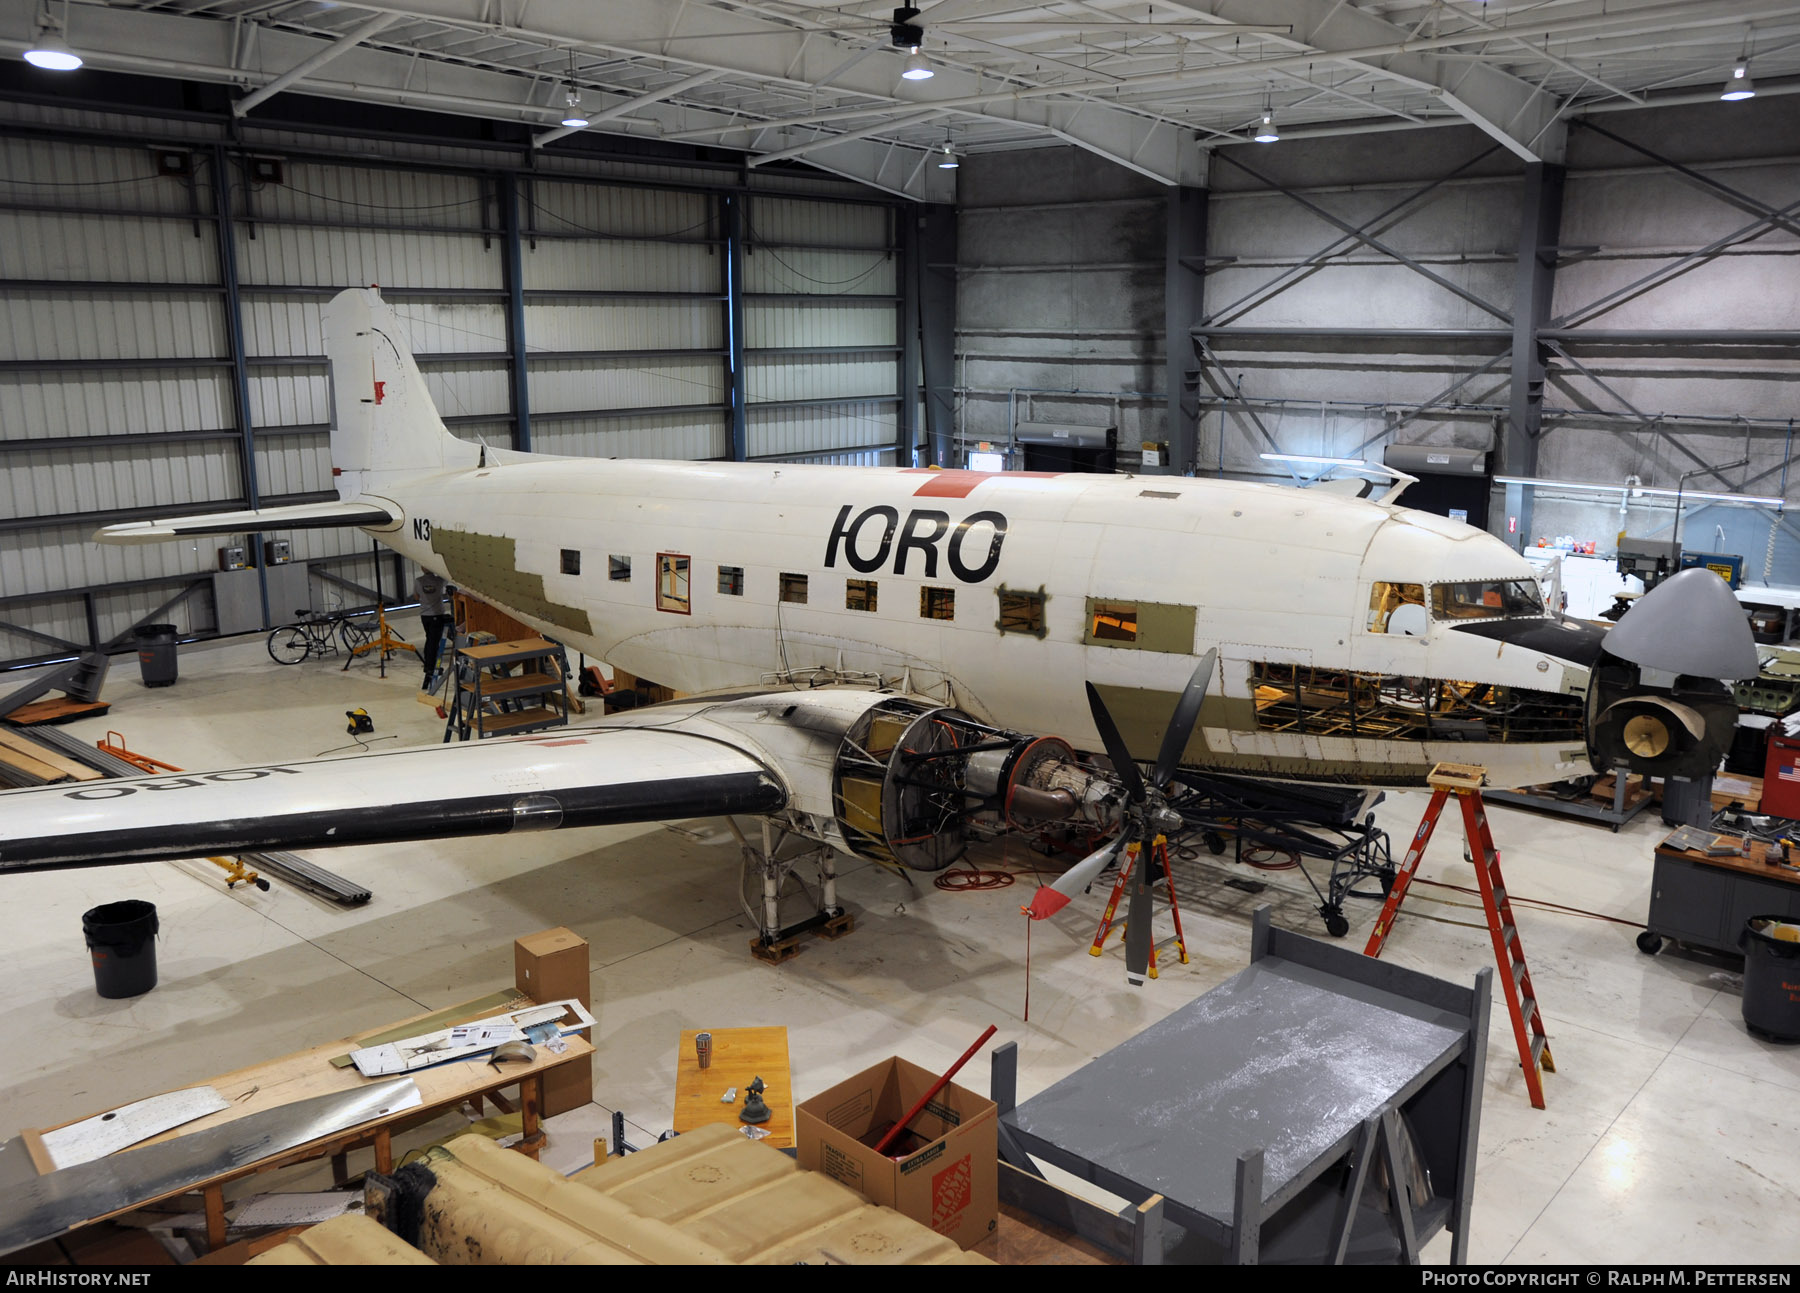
(1257, 1111)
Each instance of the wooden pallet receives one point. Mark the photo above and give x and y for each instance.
(59, 709)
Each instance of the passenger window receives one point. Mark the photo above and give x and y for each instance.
(859, 594)
(618, 568)
(1021, 612)
(1387, 609)
(731, 581)
(571, 561)
(793, 589)
(937, 603)
(672, 583)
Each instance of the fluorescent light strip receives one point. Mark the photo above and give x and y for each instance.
(1759, 500)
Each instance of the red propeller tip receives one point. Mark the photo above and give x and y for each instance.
(1045, 903)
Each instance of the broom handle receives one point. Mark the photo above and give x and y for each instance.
(939, 1085)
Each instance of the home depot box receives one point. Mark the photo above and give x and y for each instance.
(552, 965)
(951, 1182)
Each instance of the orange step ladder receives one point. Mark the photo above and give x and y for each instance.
(1464, 781)
(1159, 854)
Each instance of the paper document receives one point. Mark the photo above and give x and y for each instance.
(108, 1133)
(465, 1041)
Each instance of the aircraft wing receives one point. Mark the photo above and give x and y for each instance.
(570, 777)
(332, 514)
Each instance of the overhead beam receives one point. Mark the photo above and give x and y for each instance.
(1515, 113)
(343, 45)
(629, 106)
(828, 140)
(203, 49)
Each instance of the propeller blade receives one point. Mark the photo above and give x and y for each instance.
(1116, 749)
(1137, 931)
(1181, 725)
(1052, 898)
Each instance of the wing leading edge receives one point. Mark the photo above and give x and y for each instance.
(573, 777)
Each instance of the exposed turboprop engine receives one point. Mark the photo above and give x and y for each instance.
(1655, 702)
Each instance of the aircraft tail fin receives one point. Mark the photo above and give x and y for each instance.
(382, 416)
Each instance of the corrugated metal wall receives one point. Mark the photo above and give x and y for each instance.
(119, 386)
(821, 332)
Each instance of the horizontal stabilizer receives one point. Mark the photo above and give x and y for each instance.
(334, 514)
(572, 777)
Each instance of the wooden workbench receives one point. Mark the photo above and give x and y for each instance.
(738, 1055)
(308, 1073)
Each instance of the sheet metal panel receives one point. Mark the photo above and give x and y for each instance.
(812, 376)
(61, 173)
(275, 325)
(623, 325)
(352, 194)
(286, 255)
(50, 482)
(775, 324)
(46, 245)
(560, 206)
(701, 434)
(573, 385)
(798, 220)
(115, 325)
(621, 266)
(803, 271)
(819, 427)
(38, 405)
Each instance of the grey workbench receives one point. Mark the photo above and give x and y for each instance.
(1257, 1111)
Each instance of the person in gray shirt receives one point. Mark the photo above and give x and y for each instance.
(434, 614)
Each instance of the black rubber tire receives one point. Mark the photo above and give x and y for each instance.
(289, 645)
(1215, 843)
(356, 630)
(1336, 925)
(1649, 942)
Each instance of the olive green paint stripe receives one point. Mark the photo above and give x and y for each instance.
(490, 562)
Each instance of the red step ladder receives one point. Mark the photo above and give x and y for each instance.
(1464, 781)
(1159, 852)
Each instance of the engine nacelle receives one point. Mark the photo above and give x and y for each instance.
(1681, 729)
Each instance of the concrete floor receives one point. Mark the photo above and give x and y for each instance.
(1671, 1134)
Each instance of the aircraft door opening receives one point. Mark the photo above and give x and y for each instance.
(672, 570)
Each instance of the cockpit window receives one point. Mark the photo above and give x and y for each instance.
(1492, 599)
(1388, 598)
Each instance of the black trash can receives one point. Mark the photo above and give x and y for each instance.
(121, 938)
(156, 653)
(1771, 978)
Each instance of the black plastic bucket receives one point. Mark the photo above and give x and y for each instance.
(121, 938)
(1771, 978)
(156, 653)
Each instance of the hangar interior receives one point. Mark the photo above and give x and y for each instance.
(1525, 241)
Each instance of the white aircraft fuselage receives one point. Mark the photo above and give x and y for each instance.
(1271, 576)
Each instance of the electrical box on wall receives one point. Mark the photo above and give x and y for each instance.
(275, 552)
(234, 557)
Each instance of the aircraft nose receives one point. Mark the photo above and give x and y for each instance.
(1657, 704)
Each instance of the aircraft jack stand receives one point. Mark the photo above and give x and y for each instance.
(384, 641)
(1159, 854)
(775, 942)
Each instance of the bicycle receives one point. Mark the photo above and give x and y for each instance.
(315, 634)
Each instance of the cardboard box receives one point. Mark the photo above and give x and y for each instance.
(951, 1183)
(553, 966)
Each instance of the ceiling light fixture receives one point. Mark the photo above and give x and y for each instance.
(49, 50)
(1739, 85)
(947, 159)
(917, 69)
(573, 117)
(1266, 132)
